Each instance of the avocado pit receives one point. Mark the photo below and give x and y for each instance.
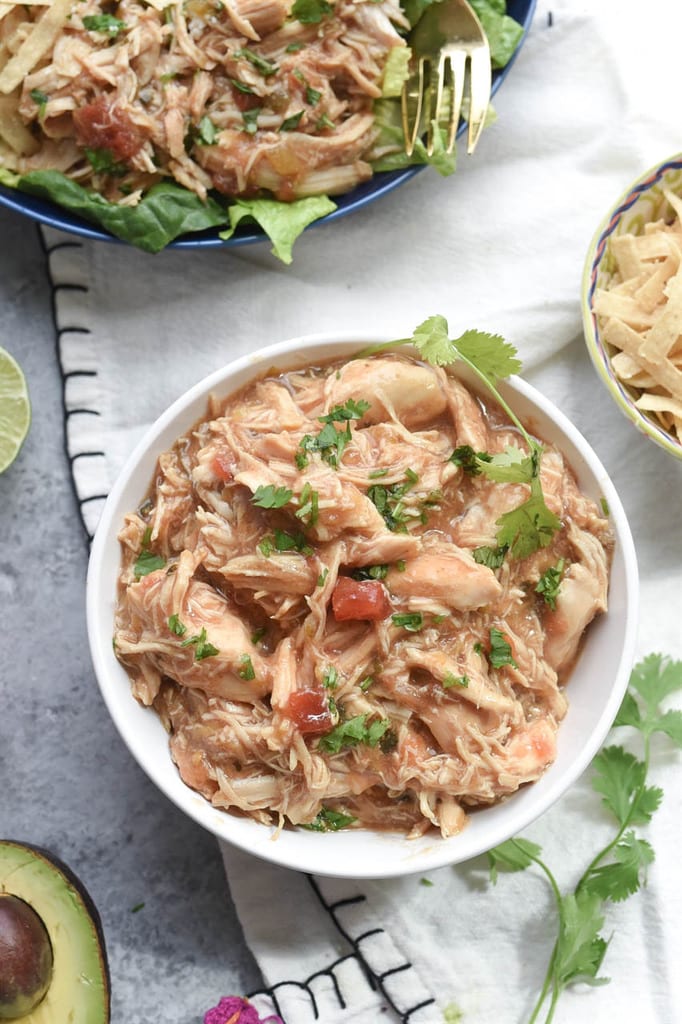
(26, 958)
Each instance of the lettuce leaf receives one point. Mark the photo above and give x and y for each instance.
(166, 211)
(388, 119)
(282, 222)
(502, 31)
(396, 71)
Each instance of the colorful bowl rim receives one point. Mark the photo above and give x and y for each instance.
(597, 350)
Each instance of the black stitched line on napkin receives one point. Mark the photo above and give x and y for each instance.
(47, 250)
(305, 986)
(376, 980)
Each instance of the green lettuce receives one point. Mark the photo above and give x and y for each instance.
(504, 34)
(396, 71)
(166, 211)
(388, 119)
(282, 222)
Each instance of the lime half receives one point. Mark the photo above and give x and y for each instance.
(15, 409)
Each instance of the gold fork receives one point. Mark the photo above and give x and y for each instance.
(446, 36)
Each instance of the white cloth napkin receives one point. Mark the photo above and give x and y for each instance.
(592, 101)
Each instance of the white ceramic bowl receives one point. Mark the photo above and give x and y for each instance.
(595, 690)
(641, 203)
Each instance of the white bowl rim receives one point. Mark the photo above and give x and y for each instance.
(316, 856)
(595, 346)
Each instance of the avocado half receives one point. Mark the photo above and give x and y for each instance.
(65, 980)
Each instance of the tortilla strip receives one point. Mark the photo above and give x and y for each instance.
(12, 128)
(658, 341)
(621, 336)
(35, 46)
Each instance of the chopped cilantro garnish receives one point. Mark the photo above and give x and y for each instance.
(366, 683)
(605, 506)
(330, 442)
(492, 557)
(313, 96)
(311, 12)
(377, 473)
(242, 87)
(202, 648)
(294, 47)
(176, 626)
(269, 496)
(137, 908)
(309, 508)
(350, 410)
(250, 119)
(500, 650)
(289, 124)
(322, 578)
(329, 821)
(324, 122)
(411, 621)
(426, 882)
(102, 162)
(370, 572)
(330, 678)
(549, 583)
(207, 132)
(258, 635)
(106, 23)
(147, 561)
(389, 503)
(452, 680)
(40, 99)
(283, 541)
(352, 732)
(247, 671)
(264, 66)
(401, 565)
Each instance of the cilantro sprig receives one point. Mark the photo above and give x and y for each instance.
(532, 525)
(147, 561)
(619, 869)
(330, 443)
(354, 731)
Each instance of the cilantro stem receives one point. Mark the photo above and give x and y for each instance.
(549, 975)
(491, 387)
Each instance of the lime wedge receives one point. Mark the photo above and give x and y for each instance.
(15, 409)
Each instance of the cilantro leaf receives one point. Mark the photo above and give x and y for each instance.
(492, 557)
(450, 679)
(580, 949)
(350, 410)
(511, 466)
(147, 562)
(549, 583)
(354, 731)
(492, 356)
(653, 679)
(411, 621)
(329, 820)
(468, 459)
(247, 670)
(311, 12)
(531, 526)
(512, 855)
(202, 647)
(500, 653)
(175, 626)
(105, 23)
(618, 776)
(269, 496)
(266, 67)
(623, 877)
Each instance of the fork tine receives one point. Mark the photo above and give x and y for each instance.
(480, 79)
(457, 67)
(411, 105)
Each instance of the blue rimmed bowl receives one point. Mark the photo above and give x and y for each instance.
(643, 202)
(380, 184)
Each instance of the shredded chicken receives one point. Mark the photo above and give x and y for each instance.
(238, 96)
(300, 603)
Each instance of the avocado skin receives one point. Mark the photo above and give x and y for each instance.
(67, 999)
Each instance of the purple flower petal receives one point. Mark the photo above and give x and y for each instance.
(237, 1010)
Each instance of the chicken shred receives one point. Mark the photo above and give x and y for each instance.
(281, 708)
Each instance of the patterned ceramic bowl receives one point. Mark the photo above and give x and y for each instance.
(642, 203)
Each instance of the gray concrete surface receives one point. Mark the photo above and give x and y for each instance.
(66, 780)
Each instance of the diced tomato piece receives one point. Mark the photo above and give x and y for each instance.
(309, 711)
(223, 466)
(359, 599)
(101, 125)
